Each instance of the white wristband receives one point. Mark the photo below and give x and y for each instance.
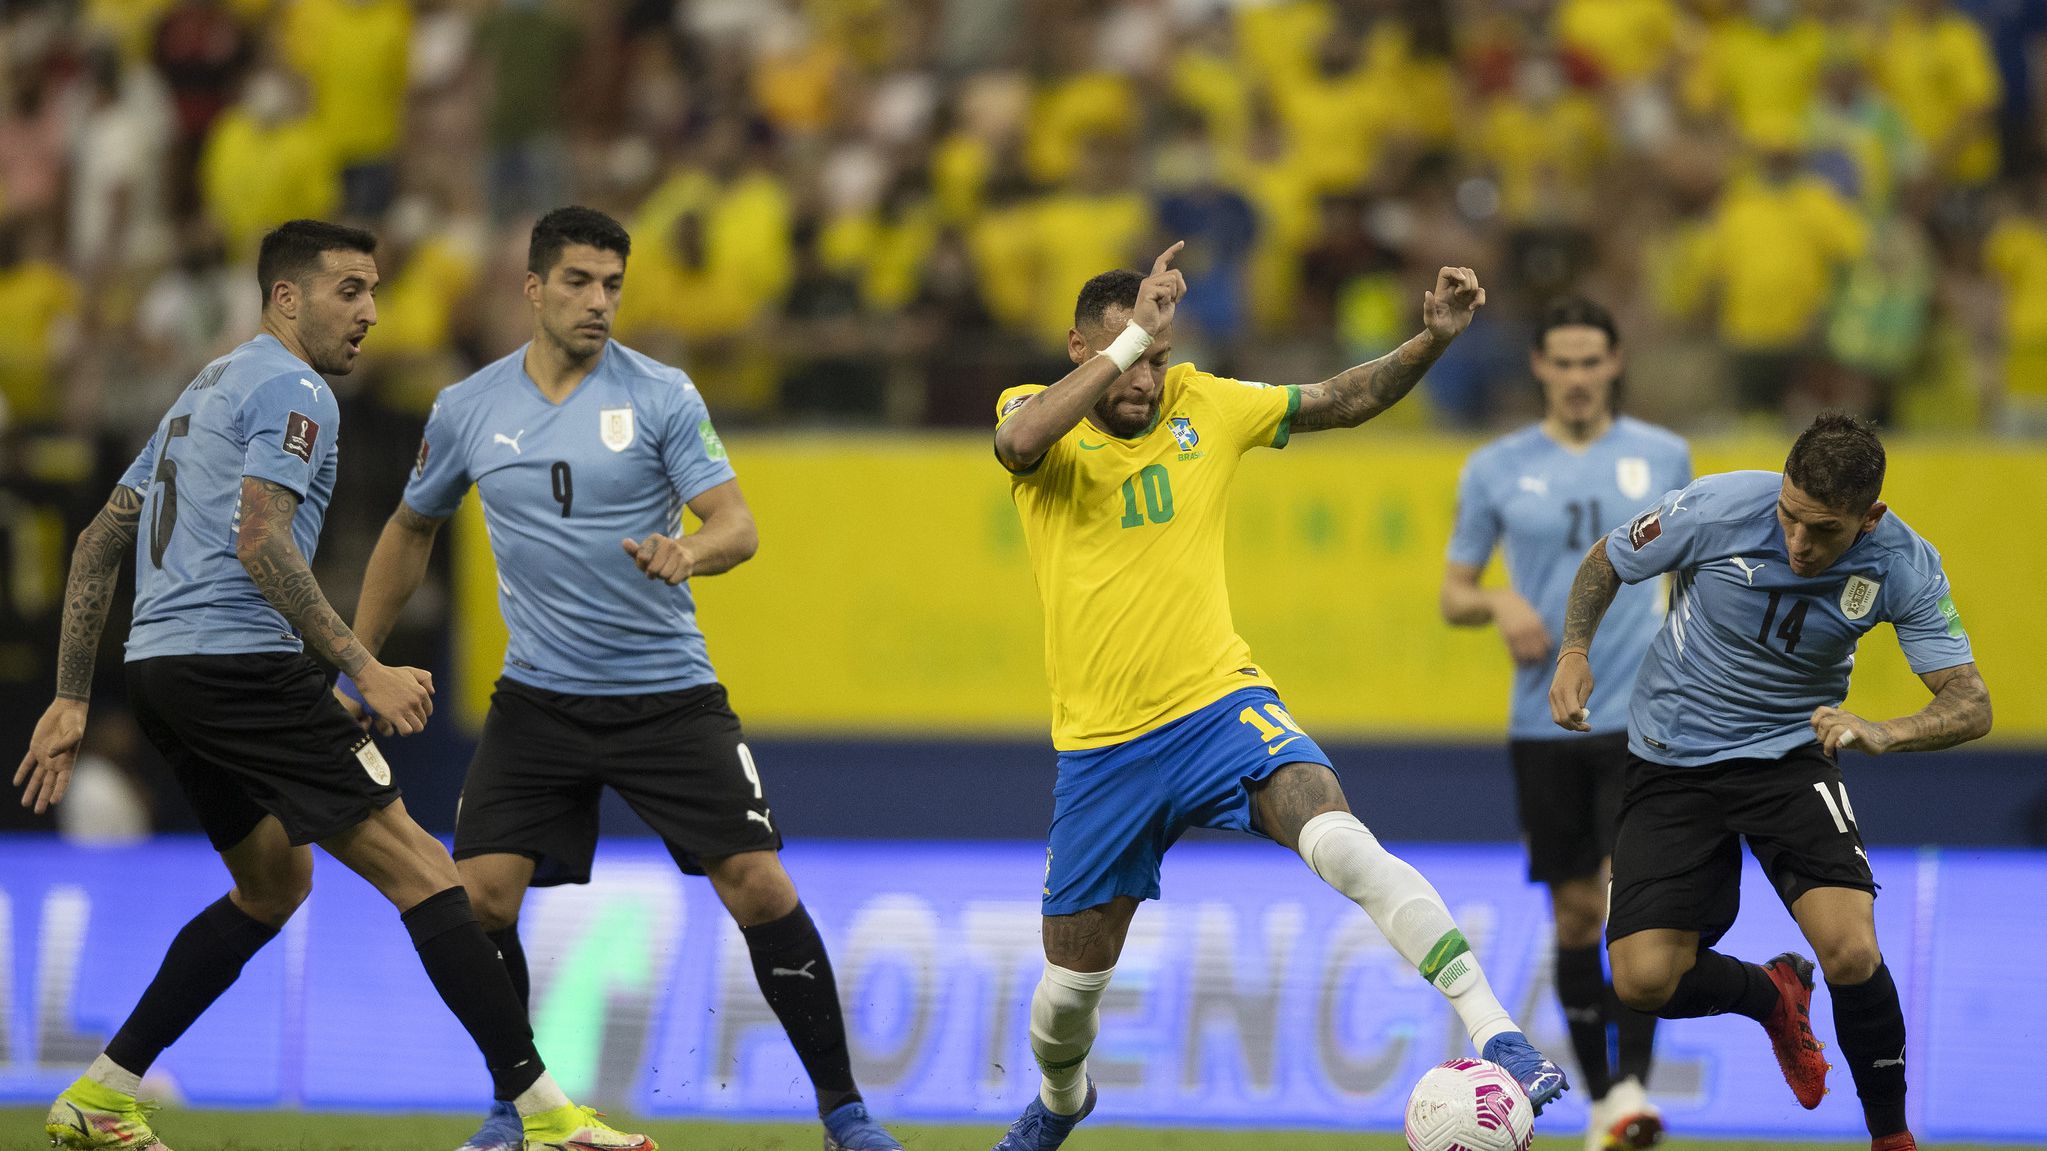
(1128, 347)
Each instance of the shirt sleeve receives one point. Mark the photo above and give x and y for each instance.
(1666, 536)
(1930, 626)
(1260, 415)
(691, 451)
(440, 472)
(137, 475)
(1006, 405)
(289, 425)
(1477, 529)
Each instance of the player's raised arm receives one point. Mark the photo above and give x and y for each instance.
(402, 695)
(95, 568)
(1592, 593)
(1355, 395)
(725, 539)
(1025, 437)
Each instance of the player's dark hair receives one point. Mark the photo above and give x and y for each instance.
(1100, 293)
(573, 225)
(1575, 312)
(292, 250)
(1838, 461)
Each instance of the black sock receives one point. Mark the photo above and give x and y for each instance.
(464, 967)
(204, 960)
(1717, 984)
(1581, 985)
(1870, 1025)
(795, 975)
(514, 954)
(1637, 1034)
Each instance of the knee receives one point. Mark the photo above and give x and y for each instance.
(754, 887)
(1579, 916)
(1644, 988)
(272, 900)
(497, 905)
(1850, 960)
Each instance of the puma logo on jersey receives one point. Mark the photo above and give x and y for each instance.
(803, 971)
(511, 442)
(1747, 568)
(304, 382)
(1535, 485)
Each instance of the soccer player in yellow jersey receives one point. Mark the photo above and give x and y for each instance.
(1121, 472)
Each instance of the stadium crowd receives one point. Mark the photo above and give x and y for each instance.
(877, 211)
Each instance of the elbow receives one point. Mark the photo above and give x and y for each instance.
(1983, 719)
(747, 544)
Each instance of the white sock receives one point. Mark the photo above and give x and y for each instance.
(544, 1095)
(1410, 914)
(1063, 1027)
(114, 1077)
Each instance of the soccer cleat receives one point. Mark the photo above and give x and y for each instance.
(501, 1132)
(1790, 1027)
(1040, 1128)
(850, 1128)
(90, 1116)
(1540, 1078)
(1902, 1141)
(1628, 1122)
(574, 1128)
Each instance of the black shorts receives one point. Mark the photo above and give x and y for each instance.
(677, 757)
(1569, 793)
(259, 734)
(1677, 863)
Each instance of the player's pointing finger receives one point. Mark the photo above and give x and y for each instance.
(1166, 257)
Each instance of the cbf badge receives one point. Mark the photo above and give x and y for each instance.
(1858, 596)
(615, 428)
(1632, 474)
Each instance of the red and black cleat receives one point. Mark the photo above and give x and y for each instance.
(1902, 1141)
(1799, 1054)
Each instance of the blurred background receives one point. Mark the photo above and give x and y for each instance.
(858, 221)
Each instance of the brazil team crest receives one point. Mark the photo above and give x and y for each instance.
(1183, 431)
(615, 427)
(1858, 595)
(1631, 473)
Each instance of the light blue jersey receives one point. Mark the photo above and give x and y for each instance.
(1549, 503)
(1749, 648)
(561, 486)
(257, 411)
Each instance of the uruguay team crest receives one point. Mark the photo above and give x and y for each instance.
(615, 427)
(1632, 474)
(1858, 596)
(1183, 431)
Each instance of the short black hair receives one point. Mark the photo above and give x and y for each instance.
(573, 225)
(1098, 294)
(1838, 461)
(292, 250)
(1575, 312)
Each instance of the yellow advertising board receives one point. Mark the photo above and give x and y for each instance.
(892, 595)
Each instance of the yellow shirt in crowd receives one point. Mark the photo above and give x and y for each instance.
(353, 54)
(253, 178)
(2016, 253)
(1126, 543)
(35, 297)
(1941, 74)
(1764, 78)
(1775, 250)
(1628, 39)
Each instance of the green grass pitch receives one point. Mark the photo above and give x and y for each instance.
(296, 1131)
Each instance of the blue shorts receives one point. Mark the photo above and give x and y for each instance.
(1116, 809)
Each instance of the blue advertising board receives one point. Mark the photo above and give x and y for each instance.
(1250, 996)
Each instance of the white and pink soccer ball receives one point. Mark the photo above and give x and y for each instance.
(1469, 1105)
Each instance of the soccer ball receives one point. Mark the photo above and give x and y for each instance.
(1469, 1105)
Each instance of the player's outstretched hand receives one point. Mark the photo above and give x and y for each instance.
(1447, 311)
(1522, 628)
(52, 752)
(1160, 292)
(400, 696)
(661, 557)
(1837, 729)
(1569, 691)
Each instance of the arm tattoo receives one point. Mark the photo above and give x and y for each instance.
(89, 590)
(1592, 593)
(273, 562)
(1355, 395)
(1958, 713)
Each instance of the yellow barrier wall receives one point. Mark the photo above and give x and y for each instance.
(892, 593)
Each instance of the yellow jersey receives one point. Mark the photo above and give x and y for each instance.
(1126, 543)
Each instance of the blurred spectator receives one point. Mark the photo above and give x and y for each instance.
(2016, 254)
(831, 369)
(267, 162)
(1220, 228)
(39, 309)
(527, 48)
(353, 54)
(32, 142)
(1935, 62)
(117, 210)
(1545, 145)
(1626, 41)
(1859, 140)
(1763, 69)
(200, 50)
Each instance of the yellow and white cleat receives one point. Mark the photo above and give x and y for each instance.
(92, 1117)
(574, 1128)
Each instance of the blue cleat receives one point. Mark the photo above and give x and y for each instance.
(1039, 1128)
(501, 1132)
(1542, 1079)
(850, 1128)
